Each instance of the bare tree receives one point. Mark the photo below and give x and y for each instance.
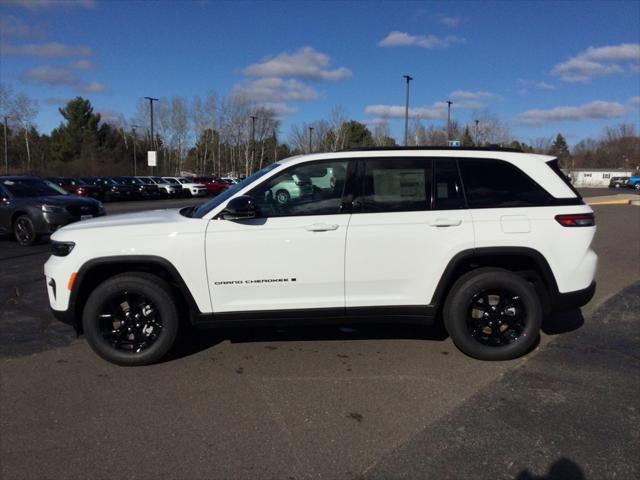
(180, 127)
(338, 117)
(25, 110)
(491, 130)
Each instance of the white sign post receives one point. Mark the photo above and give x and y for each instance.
(152, 159)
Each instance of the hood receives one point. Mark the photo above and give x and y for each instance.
(138, 219)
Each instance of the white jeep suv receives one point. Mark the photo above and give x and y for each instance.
(486, 241)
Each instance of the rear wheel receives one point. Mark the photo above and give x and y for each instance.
(493, 314)
(131, 319)
(25, 231)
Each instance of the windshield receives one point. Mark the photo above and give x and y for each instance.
(32, 187)
(184, 180)
(173, 181)
(146, 181)
(205, 208)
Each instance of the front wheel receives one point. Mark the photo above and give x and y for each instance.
(493, 314)
(131, 319)
(25, 231)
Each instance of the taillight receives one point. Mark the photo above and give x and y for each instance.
(577, 220)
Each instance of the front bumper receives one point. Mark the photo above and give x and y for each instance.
(572, 300)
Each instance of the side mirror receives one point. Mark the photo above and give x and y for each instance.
(239, 208)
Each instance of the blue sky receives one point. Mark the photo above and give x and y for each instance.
(542, 67)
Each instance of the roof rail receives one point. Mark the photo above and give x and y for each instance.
(489, 148)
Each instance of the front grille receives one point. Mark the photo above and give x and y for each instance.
(78, 210)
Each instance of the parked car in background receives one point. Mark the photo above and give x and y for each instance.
(618, 182)
(213, 185)
(113, 190)
(634, 182)
(77, 186)
(167, 188)
(31, 207)
(147, 191)
(191, 189)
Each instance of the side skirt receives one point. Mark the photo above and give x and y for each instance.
(414, 314)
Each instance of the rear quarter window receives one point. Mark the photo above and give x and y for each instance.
(490, 183)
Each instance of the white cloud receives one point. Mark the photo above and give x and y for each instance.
(403, 39)
(11, 26)
(525, 85)
(82, 65)
(599, 61)
(280, 108)
(46, 50)
(62, 75)
(93, 87)
(274, 90)
(596, 110)
(305, 63)
(36, 5)
(438, 111)
(452, 22)
(471, 100)
(462, 100)
(634, 100)
(52, 76)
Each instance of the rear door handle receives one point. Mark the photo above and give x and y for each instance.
(445, 222)
(321, 227)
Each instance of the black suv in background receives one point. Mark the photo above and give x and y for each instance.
(111, 189)
(31, 207)
(143, 189)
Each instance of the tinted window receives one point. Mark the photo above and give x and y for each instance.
(308, 189)
(447, 191)
(396, 185)
(498, 184)
(32, 187)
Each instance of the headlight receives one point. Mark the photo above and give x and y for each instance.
(61, 249)
(53, 209)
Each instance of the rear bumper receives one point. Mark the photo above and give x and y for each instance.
(576, 299)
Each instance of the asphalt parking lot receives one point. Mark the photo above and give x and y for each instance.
(326, 402)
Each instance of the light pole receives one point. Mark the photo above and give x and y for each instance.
(477, 122)
(310, 138)
(253, 142)
(408, 78)
(153, 142)
(135, 158)
(449, 102)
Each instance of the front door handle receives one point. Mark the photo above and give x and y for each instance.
(321, 227)
(445, 222)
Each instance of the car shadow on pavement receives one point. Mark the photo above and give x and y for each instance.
(195, 340)
(563, 322)
(562, 469)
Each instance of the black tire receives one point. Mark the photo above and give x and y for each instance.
(282, 197)
(25, 231)
(493, 314)
(133, 340)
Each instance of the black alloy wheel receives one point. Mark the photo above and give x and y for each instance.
(24, 231)
(131, 319)
(493, 314)
(496, 317)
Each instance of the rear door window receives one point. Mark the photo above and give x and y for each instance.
(447, 191)
(396, 185)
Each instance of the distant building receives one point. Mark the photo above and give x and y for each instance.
(596, 177)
